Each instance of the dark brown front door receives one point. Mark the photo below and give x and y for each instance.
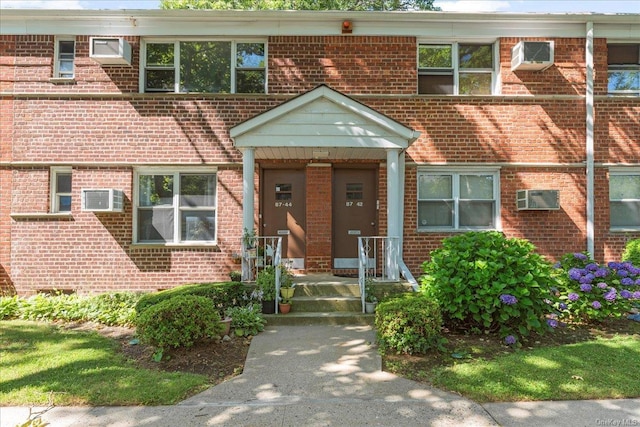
(283, 211)
(355, 213)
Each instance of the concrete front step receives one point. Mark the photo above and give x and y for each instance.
(325, 289)
(328, 303)
(294, 318)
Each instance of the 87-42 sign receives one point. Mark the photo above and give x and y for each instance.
(358, 204)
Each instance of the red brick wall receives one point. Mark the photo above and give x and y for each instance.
(351, 64)
(319, 184)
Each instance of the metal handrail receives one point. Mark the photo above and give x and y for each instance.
(378, 259)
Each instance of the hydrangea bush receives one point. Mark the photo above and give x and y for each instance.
(588, 291)
(484, 281)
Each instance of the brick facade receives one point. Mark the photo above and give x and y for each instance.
(103, 128)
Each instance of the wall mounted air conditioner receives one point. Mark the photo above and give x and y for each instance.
(102, 200)
(532, 56)
(538, 200)
(110, 50)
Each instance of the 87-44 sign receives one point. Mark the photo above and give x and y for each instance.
(283, 204)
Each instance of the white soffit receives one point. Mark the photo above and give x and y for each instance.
(322, 118)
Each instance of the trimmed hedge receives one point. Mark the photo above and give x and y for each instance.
(632, 252)
(223, 295)
(408, 324)
(179, 322)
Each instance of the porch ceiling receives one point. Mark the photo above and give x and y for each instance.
(322, 124)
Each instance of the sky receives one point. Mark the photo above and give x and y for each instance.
(517, 6)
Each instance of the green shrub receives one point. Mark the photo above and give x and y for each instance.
(222, 295)
(246, 320)
(9, 307)
(408, 324)
(179, 322)
(486, 282)
(113, 308)
(632, 252)
(588, 291)
(45, 307)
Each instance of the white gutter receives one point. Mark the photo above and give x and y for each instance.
(590, 141)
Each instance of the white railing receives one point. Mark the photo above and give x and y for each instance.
(378, 259)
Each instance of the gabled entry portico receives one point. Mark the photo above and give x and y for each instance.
(318, 129)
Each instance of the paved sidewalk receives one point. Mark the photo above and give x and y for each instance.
(330, 376)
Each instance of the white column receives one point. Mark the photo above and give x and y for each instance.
(248, 191)
(590, 172)
(393, 211)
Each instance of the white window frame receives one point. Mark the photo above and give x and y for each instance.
(53, 187)
(176, 60)
(622, 171)
(176, 172)
(57, 74)
(455, 173)
(455, 66)
(625, 67)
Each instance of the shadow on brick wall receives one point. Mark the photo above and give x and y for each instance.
(6, 284)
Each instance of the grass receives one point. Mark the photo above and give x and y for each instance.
(599, 369)
(43, 364)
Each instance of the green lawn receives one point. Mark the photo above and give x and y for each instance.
(43, 364)
(598, 369)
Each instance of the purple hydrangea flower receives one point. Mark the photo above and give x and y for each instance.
(637, 281)
(552, 323)
(596, 305)
(625, 294)
(601, 272)
(580, 256)
(575, 273)
(509, 340)
(623, 273)
(591, 266)
(634, 270)
(573, 296)
(614, 265)
(636, 295)
(557, 265)
(610, 295)
(588, 278)
(627, 281)
(562, 306)
(585, 287)
(508, 299)
(602, 285)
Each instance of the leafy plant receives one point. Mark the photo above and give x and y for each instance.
(487, 282)
(247, 319)
(266, 283)
(179, 322)
(369, 294)
(9, 307)
(632, 252)
(589, 291)
(409, 324)
(235, 276)
(222, 295)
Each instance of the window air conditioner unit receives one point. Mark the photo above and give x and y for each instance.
(110, 50)
(532, 56)
(538, 200)
(102, 200)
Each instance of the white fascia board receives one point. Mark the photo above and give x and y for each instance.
(266, 23)
(314, 141)
(337, 98)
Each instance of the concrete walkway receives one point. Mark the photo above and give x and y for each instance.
(331, 376)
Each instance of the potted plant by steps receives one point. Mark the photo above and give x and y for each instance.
(286, 283)
(370, 300)
(226, 322)
(284, 306)
(266, 284)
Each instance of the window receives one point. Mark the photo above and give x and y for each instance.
(458, 200)
(175, 207)
(60, 190)
(456, 69)
(624, 199)
(205, 66)
(624, 68)
(65, 52)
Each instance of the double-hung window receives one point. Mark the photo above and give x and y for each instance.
(456, 69)
(175, 207)
(458, 200)
(624, 199)
(624, 68)
(60, 190)
(207, 66)
(65, 52)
